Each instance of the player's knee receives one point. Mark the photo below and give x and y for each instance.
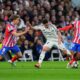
(19, 55)
(45, 48)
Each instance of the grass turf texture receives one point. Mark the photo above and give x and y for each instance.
(49, 71)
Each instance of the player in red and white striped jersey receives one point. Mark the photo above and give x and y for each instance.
(10, 38)
(75, 47)
(76, 26)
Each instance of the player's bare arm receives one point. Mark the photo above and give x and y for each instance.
(21, 33)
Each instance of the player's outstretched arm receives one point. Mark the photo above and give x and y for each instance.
(65, 28)
(21, 33)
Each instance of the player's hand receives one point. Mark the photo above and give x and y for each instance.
(29, 25)
(27, 29)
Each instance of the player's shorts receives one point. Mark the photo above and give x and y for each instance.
(50, 44)
(15, 49)
(75, 47)
(61, 46)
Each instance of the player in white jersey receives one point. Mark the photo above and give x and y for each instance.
(53, 38)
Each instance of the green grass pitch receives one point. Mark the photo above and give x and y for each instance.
(49, 71)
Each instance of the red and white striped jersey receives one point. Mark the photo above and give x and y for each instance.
(9, 39)
(76, 27)
(76, 32)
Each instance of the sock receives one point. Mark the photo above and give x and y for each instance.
(14, 58)
(73, 59)
(42, 55)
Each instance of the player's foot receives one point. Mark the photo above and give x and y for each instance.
(75, 64)
(72, 64)
(12, 63)
(37, 65)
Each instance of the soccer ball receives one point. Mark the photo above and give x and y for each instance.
(74, 65)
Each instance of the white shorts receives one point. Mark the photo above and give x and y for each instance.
(50, 44)
(61, 46)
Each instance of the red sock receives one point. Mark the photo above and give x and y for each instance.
(14, 58)
(73, 59)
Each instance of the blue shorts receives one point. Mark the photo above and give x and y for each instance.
(75, 47)
(15, 49)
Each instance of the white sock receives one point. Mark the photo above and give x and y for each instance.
(41, 57)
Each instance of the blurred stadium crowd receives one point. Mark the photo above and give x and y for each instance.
(59, 12)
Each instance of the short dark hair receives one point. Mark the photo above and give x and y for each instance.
(14, 17)
(45, 21)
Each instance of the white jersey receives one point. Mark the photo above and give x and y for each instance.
(51, 36)
(50, 33)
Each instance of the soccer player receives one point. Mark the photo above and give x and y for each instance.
(53, 37)
(75, 46)
(10, 39)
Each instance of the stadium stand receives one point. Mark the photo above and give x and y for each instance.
(59, 12)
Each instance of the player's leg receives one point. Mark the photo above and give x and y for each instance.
(3, 52)
(70, 54)
(41, 57)
(1, 55)
(76, 57)
(46, 47)
(73, 49)
(17, 53)
(78, 54)
(64, 49)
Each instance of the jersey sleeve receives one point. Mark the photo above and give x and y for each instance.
(66, 28)
(10, 28)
